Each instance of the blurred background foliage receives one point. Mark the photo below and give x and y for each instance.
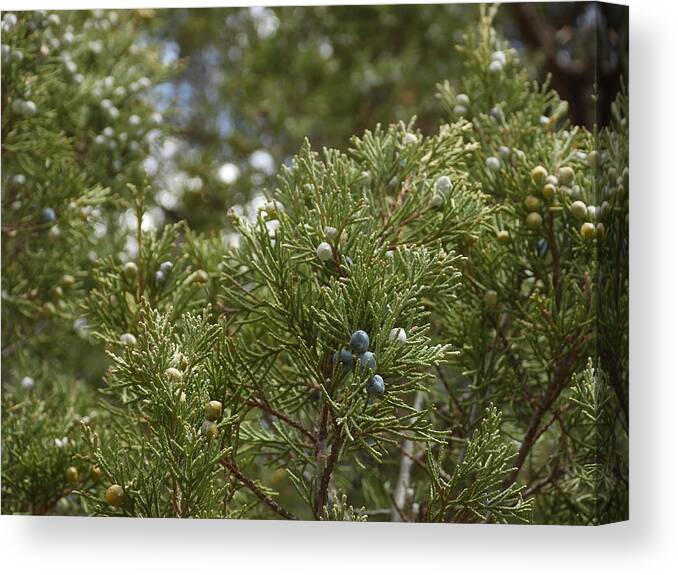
(252, 83)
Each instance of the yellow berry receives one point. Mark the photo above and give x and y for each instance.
(213, 410)
(114, 495)
(130, 269)
(532, 203)
(48, 308)
(538, 175)
(67, 281)
(95, 472)
(587, 230)
(578, 209)
(533, 221)
(72, 475)
(200, 277)
(549, 192)
(503, 236)
(565, 175)
(209, 429)
(173, 374)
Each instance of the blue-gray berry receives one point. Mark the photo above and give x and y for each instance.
(47, 215)
(375, 385)
(160, 277)
(344, 358)
(367, 360)
(360, 341)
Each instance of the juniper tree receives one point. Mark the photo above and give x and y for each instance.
(75, 126)
(415, 329)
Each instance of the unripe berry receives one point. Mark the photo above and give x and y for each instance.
(209, 429)
(592, 158)
(48, 309)
(499, 56)
(587, 230)
(565, 175)
(490, 299)
(538, 175)
(324, 251)
(114, 495)
(398, 333)
(495, 66)
(213, 410)
(503, 236)
(533, 221)
(173, 374)
(437, 200)
(72, 475)
(200, 277)
(359, 342)
(493, 163)
(459, 110)
(549, 192)
(130, 269)
(409, 139)
(463, 99)
(128, 339)
(443, 184)
(367, 360)
(67, 281)
(344, 358)
(95, 472)
(578, 209)
(375, 385)
(532, 203)
(600, 230)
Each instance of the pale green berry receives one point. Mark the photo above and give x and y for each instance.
(533, 221)
(128, 339)
(130, 269)
(463, 99)
(549, 192)
(587, 230)
(538, 175)
(503, 236)
(578, 209)
(532, 203)
(324, 251)
(565, 175)
(209, 429)
(173, 374)
(493, 163)
(213, 410)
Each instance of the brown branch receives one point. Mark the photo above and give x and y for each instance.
(267, 408)
(274, 505)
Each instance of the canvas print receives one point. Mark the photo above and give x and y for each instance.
(321, 263)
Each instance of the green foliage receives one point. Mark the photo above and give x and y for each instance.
(476, 490)
(463, 252)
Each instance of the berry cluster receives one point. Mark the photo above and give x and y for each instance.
(358, 349)
(213, 411)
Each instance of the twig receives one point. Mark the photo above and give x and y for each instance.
(274, 505)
